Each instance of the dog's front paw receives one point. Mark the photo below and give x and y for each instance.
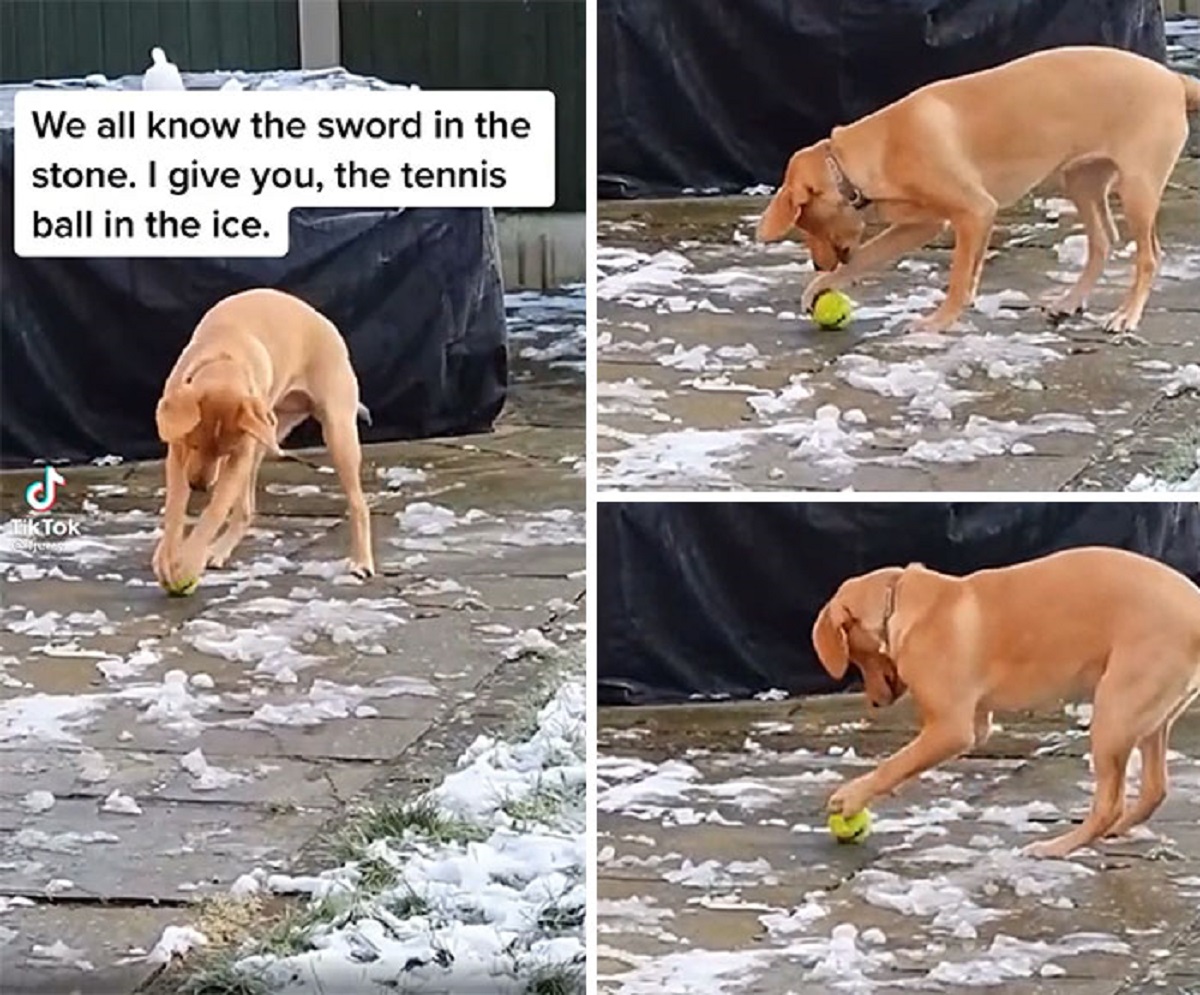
(1046, 849)
(1120, 321)
(185, 565)
(849, 799)
(160, 563)
(362, 571)
(1058, 307)
(816, 287)
(930, 324)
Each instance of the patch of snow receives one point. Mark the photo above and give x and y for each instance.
(121, 804)
(206, 776)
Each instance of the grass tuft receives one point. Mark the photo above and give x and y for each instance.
(399, 820)
(558, 919)
(376, 875)
(407, 905)
(1179, 462)
(544, 803)
(218, 976)
(291, 932)
(564, 980)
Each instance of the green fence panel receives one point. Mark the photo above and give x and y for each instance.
(50, 38)
(483, 45)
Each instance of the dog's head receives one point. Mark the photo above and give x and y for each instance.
(809, 199)
(211, 422)
(851, 629)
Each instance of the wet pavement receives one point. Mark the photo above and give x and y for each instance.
(708, 377)
(717, 875)
(152, 749)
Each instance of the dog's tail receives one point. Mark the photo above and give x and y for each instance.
(1191, 93)
(364, 413)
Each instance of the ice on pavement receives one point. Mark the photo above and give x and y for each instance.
(684, 324)
(940, 896)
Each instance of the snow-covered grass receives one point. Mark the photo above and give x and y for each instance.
(1179, 471)
(476, 885)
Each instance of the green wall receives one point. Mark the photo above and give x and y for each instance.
(48, 38)
(482, 45)
(456, 44)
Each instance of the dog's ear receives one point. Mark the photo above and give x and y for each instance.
(780, 216)
(177, 414)
(829, 638)
(259, 422)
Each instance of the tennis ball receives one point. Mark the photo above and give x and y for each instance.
(832, 309)
(852, 829)
(183, 588)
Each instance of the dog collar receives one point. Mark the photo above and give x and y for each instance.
(850, 193)
(889, 609)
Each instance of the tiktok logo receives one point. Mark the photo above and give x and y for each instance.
(41, 494)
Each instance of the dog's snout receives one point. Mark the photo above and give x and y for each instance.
(198, 486)
(843, 254)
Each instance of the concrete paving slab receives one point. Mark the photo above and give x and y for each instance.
(86, 931)
(716, 873)
(146, 857)
(708, 379)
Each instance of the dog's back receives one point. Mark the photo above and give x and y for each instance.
(1068, 615)
(1091, 579)
(286, 341)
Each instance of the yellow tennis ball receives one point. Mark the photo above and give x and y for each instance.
(832, 310)
(183, 588)
(850, 829)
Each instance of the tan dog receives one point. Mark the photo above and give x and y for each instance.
(956, 151)
(258, 364)
(1102, 624)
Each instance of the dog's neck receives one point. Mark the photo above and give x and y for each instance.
(223, 357)
(850, 193)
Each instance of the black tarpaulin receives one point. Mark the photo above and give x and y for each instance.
(714, 95)
(86, 344)
(708, 600)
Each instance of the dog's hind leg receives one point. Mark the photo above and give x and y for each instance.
(1088, 187)
(1126, 712)
(1153, 749)
(1142, 179)
(1111, 746)
(983, 726)
(1140, 201)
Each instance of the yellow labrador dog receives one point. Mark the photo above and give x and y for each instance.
(956, 151)
(258, 364)
(1098, 624)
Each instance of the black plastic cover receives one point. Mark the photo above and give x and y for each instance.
(708, 600)
(86, 344)
(714, 95)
